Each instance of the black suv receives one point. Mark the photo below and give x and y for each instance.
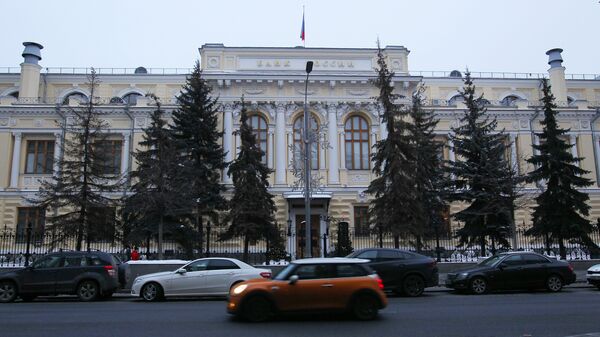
(89, 275)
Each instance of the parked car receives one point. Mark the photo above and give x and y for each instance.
(516, 270)
(402, 272)
(202, 277)
(320, 284)
(593, 275)
(89, 275)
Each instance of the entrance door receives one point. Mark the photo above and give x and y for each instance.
(315, 232)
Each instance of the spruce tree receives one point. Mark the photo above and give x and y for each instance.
(252, 206)
(561, 209)
(79, 191)
(481, 174)
(154, 201)
(393, 186)
(428, 174)
(200, 156)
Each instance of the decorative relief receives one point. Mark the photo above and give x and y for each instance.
(254, 91)
(4, 122)
(12, 122)
(38, 123)
(584, 124)
(524, 124)
(515, 124)
(360, 177)
(140, 122)
(357, 92)
(213, 62)
(302, 92)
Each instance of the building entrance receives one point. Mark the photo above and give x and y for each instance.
(315, 233)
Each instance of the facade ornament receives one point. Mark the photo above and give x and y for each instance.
(270, 108)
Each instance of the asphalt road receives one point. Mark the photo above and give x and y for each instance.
(575, 311)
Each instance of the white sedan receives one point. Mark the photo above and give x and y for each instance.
(203, 277)
(593, 275)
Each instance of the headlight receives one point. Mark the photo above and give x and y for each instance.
(137, 280)
(239, 289)
(462, 275)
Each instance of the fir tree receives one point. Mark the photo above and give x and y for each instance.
(200, 155)
(561, 209)
(393, 187)
(428, 174)
(482, 175)
(79, 191)
(252, 205)
(154, 201)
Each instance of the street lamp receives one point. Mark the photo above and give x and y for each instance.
(307, 166)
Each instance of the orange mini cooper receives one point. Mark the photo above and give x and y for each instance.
(320, 284)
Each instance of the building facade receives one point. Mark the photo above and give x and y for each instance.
(34, 99)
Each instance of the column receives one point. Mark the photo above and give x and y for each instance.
(125, 153)
(57, 152)
(16, 160)
(334, 171)
(238, 143)
(514, 163)
(596, 139)
(536, 142)
(343, 151)
(451, 156)
(373, 142)
(227, 143)
(270, 149)
(321, 152)
(290, 144)
(573, 142)
(384, 130)
(281, 145)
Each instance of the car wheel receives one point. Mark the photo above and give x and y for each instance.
(88, 290)
(257, 309)
(413, 286)
(365, 307)
(478, 286)
(27, 298)
(8, 291)
(152, 292)
(554, 283)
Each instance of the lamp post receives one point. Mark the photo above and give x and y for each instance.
(307, 166)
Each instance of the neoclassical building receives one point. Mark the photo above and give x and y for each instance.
(272, 80)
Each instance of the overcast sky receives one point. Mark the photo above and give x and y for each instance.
(485, 35)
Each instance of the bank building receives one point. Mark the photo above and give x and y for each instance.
(33, 98)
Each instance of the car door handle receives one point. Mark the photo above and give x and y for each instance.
(327, 285)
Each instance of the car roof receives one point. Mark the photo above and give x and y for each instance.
(326, 260)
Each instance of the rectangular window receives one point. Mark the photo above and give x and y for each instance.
(103, 222)
(30, 216)
(361, 220)
(109, 154)
(40, 157)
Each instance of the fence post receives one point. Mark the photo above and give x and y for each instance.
(380, 228)
(28, 231)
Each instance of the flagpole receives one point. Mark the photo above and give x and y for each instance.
(303, 29)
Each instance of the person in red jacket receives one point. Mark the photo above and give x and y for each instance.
(135, 255)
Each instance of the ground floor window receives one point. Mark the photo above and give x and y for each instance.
(361, 220)
(33, 217)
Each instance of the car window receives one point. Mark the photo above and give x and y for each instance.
(513, 260)
(47, 262)
(95, 260)
(534, 259)
(315, 271)
(368, 254)
(197, 266)
(74, 261)
(391, 255)
(350, 270)
(221, 264)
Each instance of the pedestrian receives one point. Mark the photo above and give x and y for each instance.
(135, 255)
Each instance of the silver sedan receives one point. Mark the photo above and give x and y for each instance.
(203, 277)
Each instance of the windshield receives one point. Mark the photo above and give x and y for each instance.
(285, 273)
(491, 261)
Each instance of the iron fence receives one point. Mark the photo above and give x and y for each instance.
(21, 248)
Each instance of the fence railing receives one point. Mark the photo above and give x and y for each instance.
(19, 248)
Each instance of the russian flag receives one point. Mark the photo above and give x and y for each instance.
(302, 31)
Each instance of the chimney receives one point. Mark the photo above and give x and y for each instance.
(30, 70)
(557, 75)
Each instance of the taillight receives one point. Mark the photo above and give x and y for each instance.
(379, 282)
(570, 267)
(110, 270)
(432, 264)
(265, 274)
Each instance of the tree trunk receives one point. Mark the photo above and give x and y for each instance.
(396, 241)
(246, 244)
(493, 245)
(419, 244)
(482, 243)
(562, 248)
(160, 237)
(547, 241)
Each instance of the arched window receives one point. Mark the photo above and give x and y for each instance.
(131, 98)
(259, 129)
(509, 100)
(452, 101)
(356, 133)
(299, 144)
(77, 96)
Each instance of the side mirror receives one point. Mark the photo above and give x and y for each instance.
(294, 279)
(181, 271)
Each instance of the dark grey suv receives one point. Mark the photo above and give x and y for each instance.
(89, 275)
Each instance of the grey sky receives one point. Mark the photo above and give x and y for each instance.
(485, 35)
